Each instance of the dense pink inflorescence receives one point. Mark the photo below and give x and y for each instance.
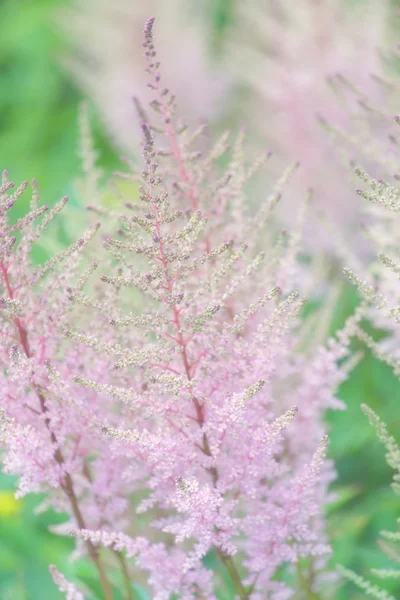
(176, 384)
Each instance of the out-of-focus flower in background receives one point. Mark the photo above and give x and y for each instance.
(301, 63)
(106, 59)
(283, 71)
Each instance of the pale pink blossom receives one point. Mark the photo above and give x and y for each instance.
(305, 64)
(106, 59)
(167, 377)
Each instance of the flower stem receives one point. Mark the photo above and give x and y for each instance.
(187, 366)
(234, 575)
(70, 492)
(125, 573)
(66, 484)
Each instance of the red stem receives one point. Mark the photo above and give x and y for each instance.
(67, 483)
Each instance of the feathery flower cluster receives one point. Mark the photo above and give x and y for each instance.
(48, 426)
(64, 585)
(169, 387)
(304, 65)
(105, 60)
(390, 541)
(380, 286)
(380, 289)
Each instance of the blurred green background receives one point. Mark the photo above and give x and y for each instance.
(39, 138)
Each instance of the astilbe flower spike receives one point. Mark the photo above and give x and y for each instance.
(64, 585)
(212, 375)
(380, 289)
(379, 285)
(390, 541)
(169, 387)
(105, 59)
(46, 425)
(304, 65)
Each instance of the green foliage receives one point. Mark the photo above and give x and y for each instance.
(366, 586)
(387, 574)
(38, 102)
(27, 547)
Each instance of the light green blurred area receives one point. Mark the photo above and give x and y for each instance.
(38, 102)
(39, 139)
